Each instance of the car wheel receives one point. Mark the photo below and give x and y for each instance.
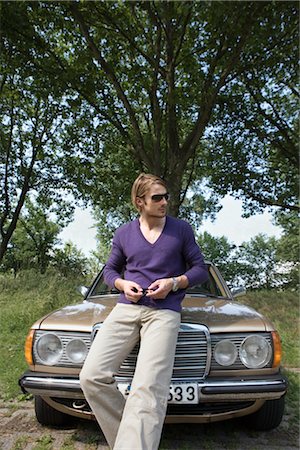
(46, 415)
(268, 416)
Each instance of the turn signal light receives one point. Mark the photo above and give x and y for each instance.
(28, 347)
(277, 349)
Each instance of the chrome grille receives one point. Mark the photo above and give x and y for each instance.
(192, 356)
(237, 339)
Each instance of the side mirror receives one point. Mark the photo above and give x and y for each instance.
(238, 292)
(83, 290)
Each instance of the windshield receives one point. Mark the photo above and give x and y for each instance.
(209, 288)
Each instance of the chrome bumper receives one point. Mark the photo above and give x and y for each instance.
(213, 389)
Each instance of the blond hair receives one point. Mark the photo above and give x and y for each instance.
(143, 184)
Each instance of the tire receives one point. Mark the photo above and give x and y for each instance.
(46, 415)
(269, 416)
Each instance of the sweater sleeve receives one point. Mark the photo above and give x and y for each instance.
(115, 263)
(196, 268)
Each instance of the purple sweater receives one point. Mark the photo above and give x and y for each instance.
(174, 253)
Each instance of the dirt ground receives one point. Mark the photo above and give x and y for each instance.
(19, 430)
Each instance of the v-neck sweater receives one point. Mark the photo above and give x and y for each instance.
(174, 253)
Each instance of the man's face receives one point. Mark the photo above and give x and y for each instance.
(154, 203)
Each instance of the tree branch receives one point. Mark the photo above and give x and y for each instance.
(210, 91)
(110, 20)
(278, 123)
(7, 158)
(113, 79)
(268, 202)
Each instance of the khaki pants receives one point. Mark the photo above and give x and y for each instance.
(137, 423)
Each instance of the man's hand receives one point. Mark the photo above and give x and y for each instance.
(133, 291)
(159, 289)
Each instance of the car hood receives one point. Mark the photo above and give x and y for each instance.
(219, 315)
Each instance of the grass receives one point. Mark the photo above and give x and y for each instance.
(282, 308)
(23, 300)
(20, 443)
(44, 443)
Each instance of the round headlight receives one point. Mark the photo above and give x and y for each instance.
(225, 352)
(49, 349)
(76, 350)
(255, 352)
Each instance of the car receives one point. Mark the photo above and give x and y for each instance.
(227, 362)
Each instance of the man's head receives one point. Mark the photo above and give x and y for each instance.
(143, 185)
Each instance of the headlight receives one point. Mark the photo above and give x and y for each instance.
(255, 352)
(225, 352)
(76, 350)
(49, 348)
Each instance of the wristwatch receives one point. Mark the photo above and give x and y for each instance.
(175, 284)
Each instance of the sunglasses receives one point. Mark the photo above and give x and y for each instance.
(145, 290)
(158, 197)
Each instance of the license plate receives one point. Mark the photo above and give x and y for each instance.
(183, 393)
(180, 393)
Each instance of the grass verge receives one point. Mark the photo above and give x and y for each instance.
(23, 300)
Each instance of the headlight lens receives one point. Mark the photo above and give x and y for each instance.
(225, 352)
(255, 352)
(76, 350)
(49, 348)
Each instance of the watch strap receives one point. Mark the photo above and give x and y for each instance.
(175, 284)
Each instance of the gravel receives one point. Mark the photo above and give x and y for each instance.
(19, 430)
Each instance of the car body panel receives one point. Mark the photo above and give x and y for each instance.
(218, 315)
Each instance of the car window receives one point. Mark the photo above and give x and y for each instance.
(209, 287)
(101, 288)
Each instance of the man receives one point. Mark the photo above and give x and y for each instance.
(159, 258)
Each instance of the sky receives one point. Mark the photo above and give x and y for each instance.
(228, 223)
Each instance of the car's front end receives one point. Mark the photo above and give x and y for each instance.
(227, 361)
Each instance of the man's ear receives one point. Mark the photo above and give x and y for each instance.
(139, 203)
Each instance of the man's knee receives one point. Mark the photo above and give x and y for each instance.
(90, 378)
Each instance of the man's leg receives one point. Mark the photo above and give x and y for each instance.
(115, 339)
(145, 408)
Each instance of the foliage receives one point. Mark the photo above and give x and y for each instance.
(257, 124)
(222, 253)
(31, 118)
(34, 239)
(167, 87)
(288, 248)
(256, 264)
(35, 244)
(69, 261)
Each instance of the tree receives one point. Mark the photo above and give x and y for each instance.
(262, 263)
(151, 78)
(222, 253)
(32, 120)
(257, 138)
(288, 248)
(20, 254)
(34, 239)
(69, 260)
(258, 263)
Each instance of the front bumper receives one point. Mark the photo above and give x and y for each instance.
(210, 390)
